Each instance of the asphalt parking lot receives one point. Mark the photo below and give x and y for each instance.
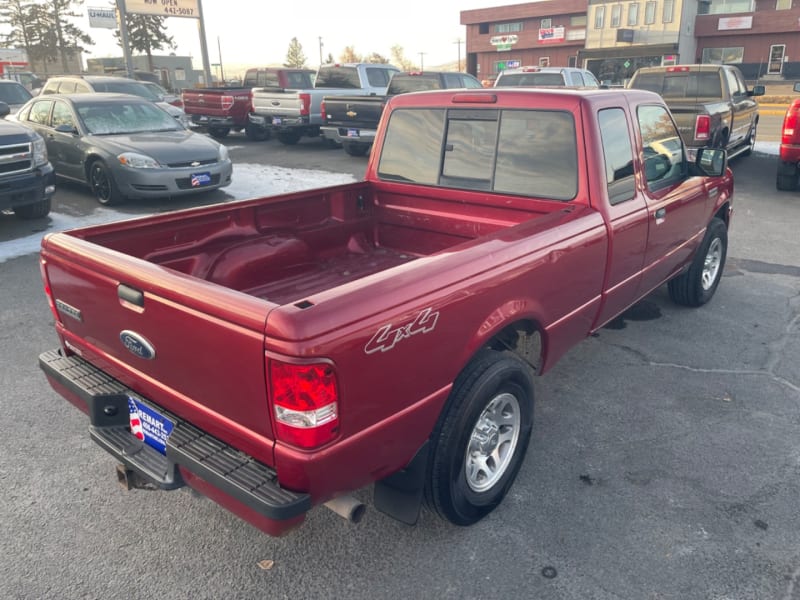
(664, 463)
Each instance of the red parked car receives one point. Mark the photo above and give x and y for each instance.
(789, 156)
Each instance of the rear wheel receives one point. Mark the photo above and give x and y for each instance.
(751, 140)
(256, 133)
(33, 211)
(290, 138)
(786, 180)
(355, 149)
(697, 285)
(102, 182)
(480, 441)
(219, 132)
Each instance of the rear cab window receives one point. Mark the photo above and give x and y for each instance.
(509, 151)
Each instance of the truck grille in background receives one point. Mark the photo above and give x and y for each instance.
(16, 158)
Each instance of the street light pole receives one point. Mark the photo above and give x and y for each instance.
(459, 42)
(320, 50)
(421, 63)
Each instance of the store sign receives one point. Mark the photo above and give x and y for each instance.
(503, 40)
(551, 35)
(728, 23)
(105, 18)
(164, 8)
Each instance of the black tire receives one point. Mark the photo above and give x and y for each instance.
(103, 186)
(332, 144)
(697, 285)
(751, 140)
(33, 211)
(479, 443)
(289, 138)
(219, 132)
(355, 149)
(786, 180)
(256, 133)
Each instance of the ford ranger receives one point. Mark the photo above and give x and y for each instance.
(352, 120)
(710, 103)
(280, 353)
(294, 113)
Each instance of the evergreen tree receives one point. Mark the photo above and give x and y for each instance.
(294, 56)
(68, 38)
(146, 33)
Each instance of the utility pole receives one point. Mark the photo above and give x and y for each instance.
(421, 64)
(203, 46)
(459, 42)
(123, 36)
(221, 71)
(320, 50)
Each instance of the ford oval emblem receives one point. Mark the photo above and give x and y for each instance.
(137, 344)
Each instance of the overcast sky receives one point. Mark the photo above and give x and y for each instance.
(254, 32)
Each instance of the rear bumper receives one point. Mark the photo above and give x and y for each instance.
(235, 480)
(27, 188)
(349, 134)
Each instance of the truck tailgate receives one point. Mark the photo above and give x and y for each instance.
(277, 102)
(195, 350)
(212, 103)
(358, 111)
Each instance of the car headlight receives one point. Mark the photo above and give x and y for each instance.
(39, 151)
(137, 161)
(223, 153)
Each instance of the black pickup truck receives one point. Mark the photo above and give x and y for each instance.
(710, 103)
(27, 179)
(352, 120)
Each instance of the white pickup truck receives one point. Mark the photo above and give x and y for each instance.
(295, 113)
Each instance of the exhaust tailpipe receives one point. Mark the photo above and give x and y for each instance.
(347, 507)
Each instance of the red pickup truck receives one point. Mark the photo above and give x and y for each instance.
(279, 353)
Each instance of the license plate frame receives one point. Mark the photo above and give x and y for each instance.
(200, 179)
(276, 120)
(148, 425)
(353, 133)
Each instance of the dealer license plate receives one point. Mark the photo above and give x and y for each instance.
(149, 426)
(200, 179)
(353, 133)
(276, 120)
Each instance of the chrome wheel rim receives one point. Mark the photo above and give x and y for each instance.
(492, 442)
(712, 263)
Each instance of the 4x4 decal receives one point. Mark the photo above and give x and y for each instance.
(387, 338)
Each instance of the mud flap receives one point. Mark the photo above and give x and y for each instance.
(400, 495)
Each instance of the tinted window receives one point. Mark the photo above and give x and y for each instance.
(662, 148)
(299, 80)
(536, 154)
(618, 155)
(338, 77)
(378, 77)
(680, 84)
(413, 83)
(530, 79)
(14, 93)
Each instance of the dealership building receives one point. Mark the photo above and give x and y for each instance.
(613, 39)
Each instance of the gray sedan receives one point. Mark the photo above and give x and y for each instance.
(125, 147)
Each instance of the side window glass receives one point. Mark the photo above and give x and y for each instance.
(50, 88)
(577, 79)
(66, 87)
(62, 115)
(662, 147)
(40, 112)
(378, 77)
(618, 155)
(452, 80)
(82, 88)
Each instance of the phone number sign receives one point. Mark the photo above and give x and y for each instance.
(163, 8)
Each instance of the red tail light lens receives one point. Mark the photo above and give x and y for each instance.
(305, 403)
(702, 127)
(227, 102)
(322, 112)
(305, 104)
(790, 132)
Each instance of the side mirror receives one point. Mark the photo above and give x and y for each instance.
(711, 161)
(758, 90)
(67, 129)
(5, 110)
(796, 87)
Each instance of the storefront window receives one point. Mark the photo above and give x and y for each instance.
(720, 56)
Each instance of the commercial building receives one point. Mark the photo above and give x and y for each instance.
(613, 38)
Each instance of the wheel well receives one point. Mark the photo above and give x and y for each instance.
(724, 214)
(523, 338)
(89, 162)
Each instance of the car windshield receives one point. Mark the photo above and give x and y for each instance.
(114, 118)
(14, 93)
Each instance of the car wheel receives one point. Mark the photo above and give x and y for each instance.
(219, 132)
(289, 138)
(479, 443)
(751, 140)
(257, 133)
(354, 149)
(33, 211)
(102, 182)
(697, 285)
(787, 177)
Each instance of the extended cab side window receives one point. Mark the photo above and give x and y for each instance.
(618, 155)
(664, 163)
(378, 77)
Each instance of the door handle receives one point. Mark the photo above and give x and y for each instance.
(661, 213)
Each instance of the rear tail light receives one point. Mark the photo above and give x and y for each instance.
(305, 403)
(790, 134)
(702, 128)
(305, 104)
(677, 69)
(322, 111)
(227, 102)
(47, 289)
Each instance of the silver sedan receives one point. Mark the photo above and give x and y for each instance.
(123, 146)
